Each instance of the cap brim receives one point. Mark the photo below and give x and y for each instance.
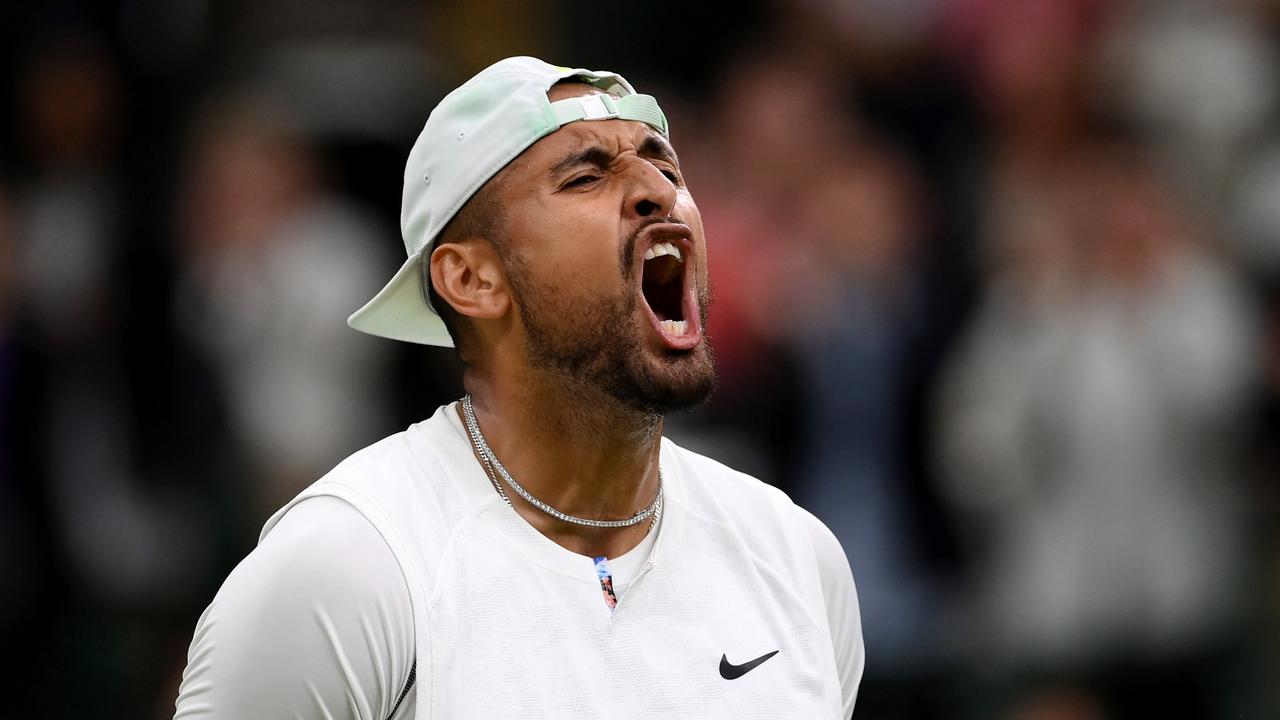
(399, 311)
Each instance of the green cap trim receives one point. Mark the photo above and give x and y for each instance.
(641, 108)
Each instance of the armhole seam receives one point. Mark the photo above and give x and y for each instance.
(408, 685)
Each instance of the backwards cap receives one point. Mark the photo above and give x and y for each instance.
(472, 134)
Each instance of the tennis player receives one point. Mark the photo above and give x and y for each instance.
(538, 549)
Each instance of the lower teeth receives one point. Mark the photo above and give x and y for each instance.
(674, 327)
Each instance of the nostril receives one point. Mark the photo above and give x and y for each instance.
(645, 208)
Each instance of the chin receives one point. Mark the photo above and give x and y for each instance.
(666, 384)
(607, 350)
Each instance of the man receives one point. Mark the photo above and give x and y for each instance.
(456, 569)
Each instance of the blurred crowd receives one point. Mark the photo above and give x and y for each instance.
(997, 296)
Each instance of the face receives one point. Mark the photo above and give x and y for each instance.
(606, 256)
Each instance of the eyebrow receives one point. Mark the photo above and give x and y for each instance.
(598, 156)
(657, 146)
(595, 155)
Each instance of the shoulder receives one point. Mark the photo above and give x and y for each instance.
(765, 518)
(384, 464)
(324, 550)
(320, 603)
(761, 518)
(414, 489)
(382, 476)
(719, 492)
(411, 478)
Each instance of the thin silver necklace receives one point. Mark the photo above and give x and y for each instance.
(492, 464)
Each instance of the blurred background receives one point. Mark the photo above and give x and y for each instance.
(997, 295)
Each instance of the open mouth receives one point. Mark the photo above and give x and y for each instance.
(667, 285)
(663, 286)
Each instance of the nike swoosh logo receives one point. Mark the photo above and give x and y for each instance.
(729, 671)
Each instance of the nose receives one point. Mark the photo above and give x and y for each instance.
(651, 194)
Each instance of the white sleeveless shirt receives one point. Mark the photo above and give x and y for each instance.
(496, 620)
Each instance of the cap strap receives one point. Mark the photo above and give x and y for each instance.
(641, 108)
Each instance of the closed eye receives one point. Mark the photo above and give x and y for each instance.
(669, 170)
(581, 181)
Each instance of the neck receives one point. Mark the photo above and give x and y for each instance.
(575, 449)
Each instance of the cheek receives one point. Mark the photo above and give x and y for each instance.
(569, 247)
(586, 249)
(687, 211)
(543, 239)
(575, 270)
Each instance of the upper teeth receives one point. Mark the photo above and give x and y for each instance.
(663, 248)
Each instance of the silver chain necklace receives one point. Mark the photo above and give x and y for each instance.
(491, 464)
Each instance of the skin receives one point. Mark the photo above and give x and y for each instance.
(568, 373)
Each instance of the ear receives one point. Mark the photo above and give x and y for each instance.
(469, 276)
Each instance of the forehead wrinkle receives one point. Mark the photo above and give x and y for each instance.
(595, 155)
(591, 149)
(586, 146)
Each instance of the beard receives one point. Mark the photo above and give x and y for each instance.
(598, 344)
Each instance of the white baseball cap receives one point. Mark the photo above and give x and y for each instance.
(472, 134)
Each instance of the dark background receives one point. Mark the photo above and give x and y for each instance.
(997, 296)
